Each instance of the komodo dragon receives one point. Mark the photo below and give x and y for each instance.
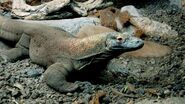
(63, 53)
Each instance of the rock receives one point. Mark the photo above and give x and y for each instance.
(2, 83)
(69, 94)
(133, 31)
(167, 92)
(132, 10)
(73, 25)
(140, 91)
(26, 94)
(35, 95)
(86, 99)
(33, 73)
(19, 86)
(172, 100)
(85, 86)
(153, 28)
(130, 102)
(112, 18)
(129, 88)
(22, 10)
(178, 3)
(183, 62)
(118, 66)
(82, 8)
(147, 26)
(161, 94)
(3, 94)
(182, 93)
(15, 93)
(152, 91)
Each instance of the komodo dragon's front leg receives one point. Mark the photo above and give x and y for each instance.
(55, 77)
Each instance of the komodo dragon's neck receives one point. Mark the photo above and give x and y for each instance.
(88, 46)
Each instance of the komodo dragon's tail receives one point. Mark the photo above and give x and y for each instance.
(7, 32)
(12, 29)
(17, 28)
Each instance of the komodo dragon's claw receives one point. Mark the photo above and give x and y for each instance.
(68, 87)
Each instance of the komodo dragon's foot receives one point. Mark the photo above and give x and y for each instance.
(13, 54)
(55, 77)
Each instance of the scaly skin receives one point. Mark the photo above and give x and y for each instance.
(63, 53)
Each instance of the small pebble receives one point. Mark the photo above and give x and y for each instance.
(69, 94)
(27, 64)
(167, 92)
(140, 91)
(3, 94)
(86, 98)
(169, 87)
(33, 73)
(15, 93)
(161, 94)
(26, 93)
(182, 93)
(34, 95)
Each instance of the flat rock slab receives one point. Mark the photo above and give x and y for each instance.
(172, 100)
(70, 25)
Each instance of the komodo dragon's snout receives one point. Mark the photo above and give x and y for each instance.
(123, 42)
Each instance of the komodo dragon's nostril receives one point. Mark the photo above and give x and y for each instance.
(119, 38)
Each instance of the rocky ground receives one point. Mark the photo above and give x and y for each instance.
(156, 80)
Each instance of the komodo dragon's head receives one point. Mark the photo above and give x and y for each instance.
(123, 43)
(105, 43)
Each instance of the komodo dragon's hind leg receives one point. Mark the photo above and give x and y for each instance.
(55, 77)
(21, 50)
